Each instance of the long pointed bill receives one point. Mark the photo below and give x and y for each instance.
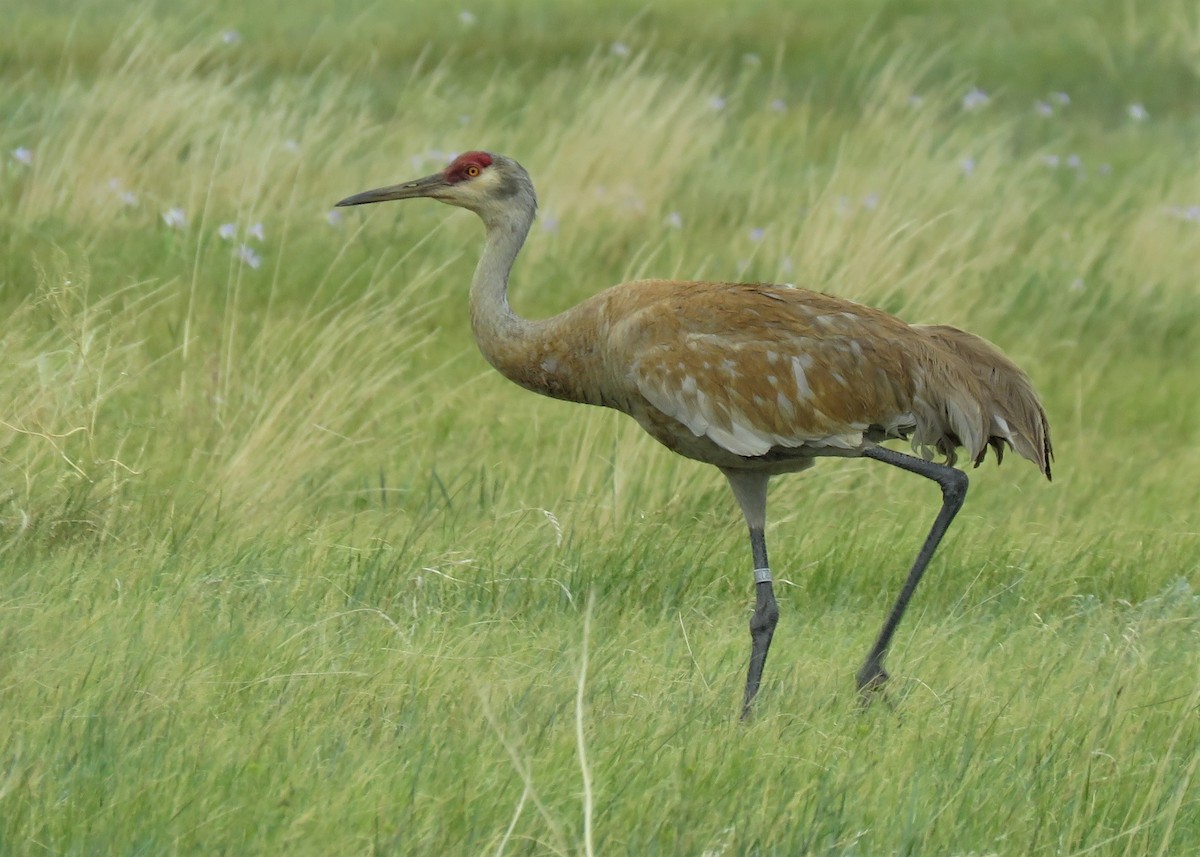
(428, 186)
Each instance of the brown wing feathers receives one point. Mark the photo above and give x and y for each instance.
(756, 368)
(1004, 392)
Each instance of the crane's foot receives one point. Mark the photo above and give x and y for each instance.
(762, 629)
(871, 680)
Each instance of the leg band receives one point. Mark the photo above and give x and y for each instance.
(762, 575)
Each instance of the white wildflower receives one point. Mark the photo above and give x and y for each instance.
(22, 155)
(466, 18)
(633, 202)
(175, 218)
(974, 98)
(675, 220)
(619, 49)
(1138, 113)
(1190, 213)
(228, 231)
(256, 231)
(231, 37)
(246, 253)
(127, 197)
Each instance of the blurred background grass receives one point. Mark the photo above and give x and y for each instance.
(287, 568)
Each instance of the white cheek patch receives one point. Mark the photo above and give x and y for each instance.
(486, 181)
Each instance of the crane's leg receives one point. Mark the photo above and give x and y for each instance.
(872, 675)
(763, 620)
(750, 488)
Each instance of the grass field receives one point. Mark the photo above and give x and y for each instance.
(285, 568)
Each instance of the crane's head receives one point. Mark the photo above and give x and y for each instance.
(490, 185)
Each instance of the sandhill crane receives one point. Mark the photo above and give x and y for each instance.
(755, 379)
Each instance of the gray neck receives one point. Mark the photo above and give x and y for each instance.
(510, 343)
(542, 355)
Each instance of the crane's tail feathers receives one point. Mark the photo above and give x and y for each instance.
(992, 404)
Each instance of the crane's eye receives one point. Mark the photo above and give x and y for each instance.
(472, 170)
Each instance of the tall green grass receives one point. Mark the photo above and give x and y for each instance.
(287, 569)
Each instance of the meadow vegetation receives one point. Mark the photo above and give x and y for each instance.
(285, 568)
